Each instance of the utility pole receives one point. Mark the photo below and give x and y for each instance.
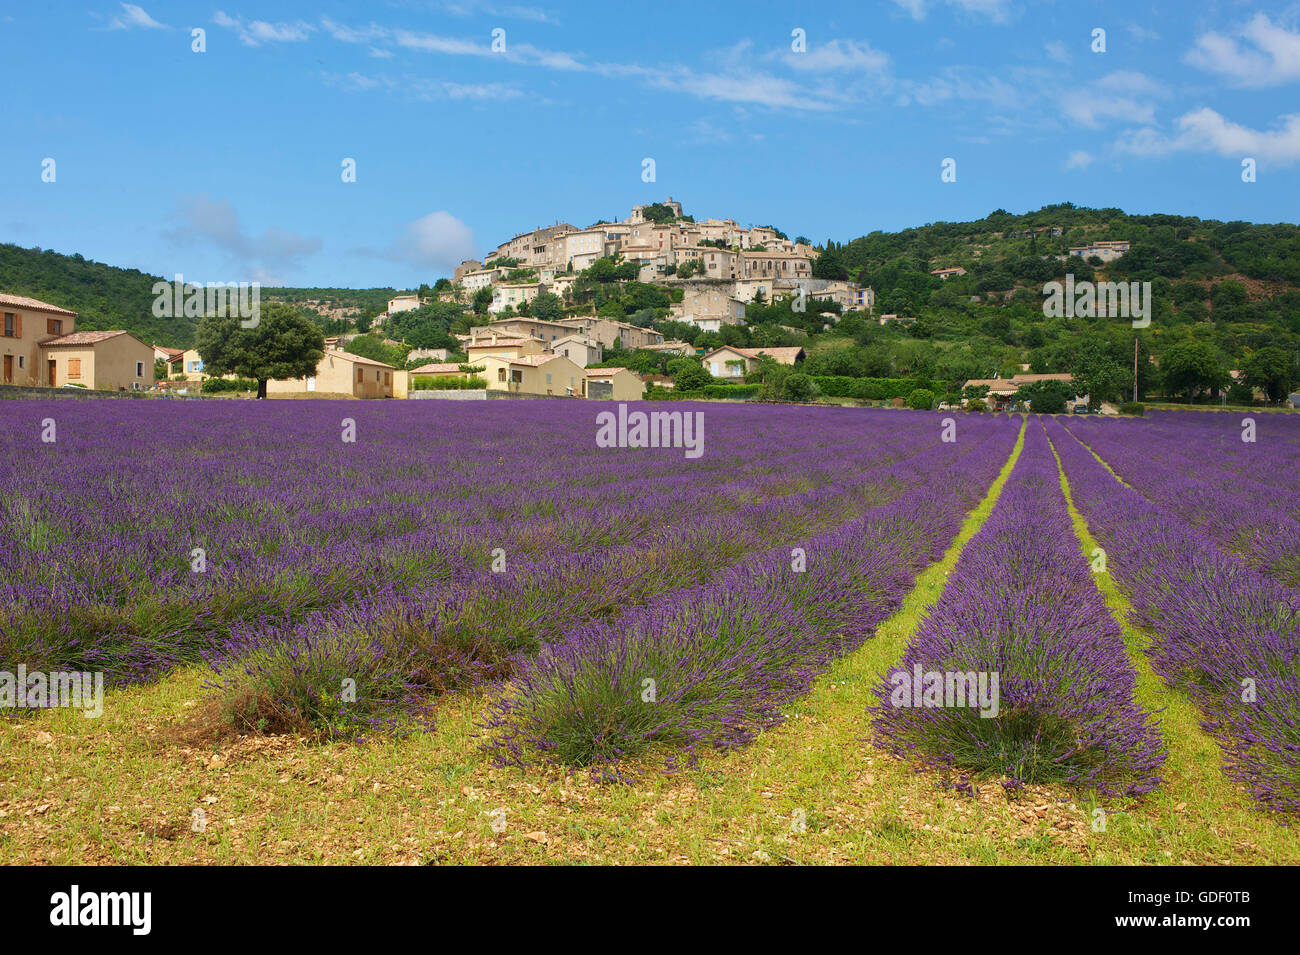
(1135, 366)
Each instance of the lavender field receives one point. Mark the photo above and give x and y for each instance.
(368, 574)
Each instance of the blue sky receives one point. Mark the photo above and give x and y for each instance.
(226, 165)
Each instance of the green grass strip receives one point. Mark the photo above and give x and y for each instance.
(1194, 781)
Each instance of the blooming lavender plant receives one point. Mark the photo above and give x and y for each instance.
(1021, 610)
(1224, 633)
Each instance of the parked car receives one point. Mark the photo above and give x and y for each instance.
(1082, 409)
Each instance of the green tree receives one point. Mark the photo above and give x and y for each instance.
(546, 306)
(829, 265)
(482, 299)
(799, 387)
(1272, 371)
(283, 344)
(1046, 397)
(1096, 374)
(689, 375)
(922, 399)
(1190, 367)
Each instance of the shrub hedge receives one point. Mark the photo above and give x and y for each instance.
(874, 389)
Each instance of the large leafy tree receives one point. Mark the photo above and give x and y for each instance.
(283, 344)
(1271, 370)
(830, 264)
(1096, 373)
(688, 374)
(1047, 397)
(1190, 367)
(546, 306)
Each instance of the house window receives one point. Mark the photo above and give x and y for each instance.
(54, 326)
(376, 376)
(22, 363)
(74, 367)
(501, 374)
(139, 369)
(361, 375)
(388, 377)
(11, 325)
(548, 377)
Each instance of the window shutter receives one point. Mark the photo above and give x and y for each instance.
(18, 324)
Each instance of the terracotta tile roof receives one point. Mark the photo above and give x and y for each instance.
(22, 301)
(602, 372)
(446, 368)
(170, 352)
(84, 338)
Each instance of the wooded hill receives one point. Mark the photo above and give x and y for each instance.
(1222, 293)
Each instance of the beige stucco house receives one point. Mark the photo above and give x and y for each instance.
(514, 295)
(607, 331)
(731, 362)
(521, 327)
(579, 349)
(617, 384)
(501, 347)
(188, 364)
(342, 373)
(105, 361)
(403, 303)
(163, 353)
(784, 265)
(40, 347)
(543, 374)
(29, 322)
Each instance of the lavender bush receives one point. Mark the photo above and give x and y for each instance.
(1223, 632)
(1021, 604)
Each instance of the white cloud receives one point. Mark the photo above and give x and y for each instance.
(467, 8)
(422, 87)
(366, 34)
(431, 43)
(438, 242)
(201, 221)
(1056, 50)
(1204, 130)
(839, 55)
(957, 83)
(740, 83)
(1270, 55)
(132, 17)
(996, 10)
(1122, 96)
(1079, 159)
(257, 32)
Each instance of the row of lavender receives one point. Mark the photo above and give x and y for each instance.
(141, 538)
(1224, 632)
(1020, 670)
(1199, 468)
(712, 665)
(399, 649)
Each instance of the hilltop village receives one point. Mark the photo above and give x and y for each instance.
(656, 304)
